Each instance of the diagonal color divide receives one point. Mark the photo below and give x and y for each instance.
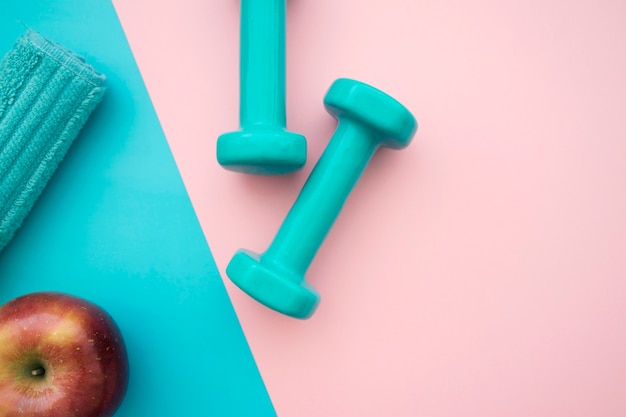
(115, 225)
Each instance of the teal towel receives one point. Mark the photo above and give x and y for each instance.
(46, 95)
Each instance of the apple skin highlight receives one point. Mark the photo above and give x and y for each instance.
(60, 356)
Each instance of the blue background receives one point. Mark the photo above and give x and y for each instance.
(115, 225)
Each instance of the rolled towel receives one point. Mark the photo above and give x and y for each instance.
(47, 94)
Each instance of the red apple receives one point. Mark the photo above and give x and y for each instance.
(60, 356)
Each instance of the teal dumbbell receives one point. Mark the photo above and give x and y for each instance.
(262, 145)
(368, 119)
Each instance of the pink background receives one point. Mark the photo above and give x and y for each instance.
(480, 272)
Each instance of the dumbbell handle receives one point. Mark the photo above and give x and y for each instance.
(322, 196)
(262, 72)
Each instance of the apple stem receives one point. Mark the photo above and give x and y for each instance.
(38, 372)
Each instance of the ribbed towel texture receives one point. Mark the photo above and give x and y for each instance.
(46, 95)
